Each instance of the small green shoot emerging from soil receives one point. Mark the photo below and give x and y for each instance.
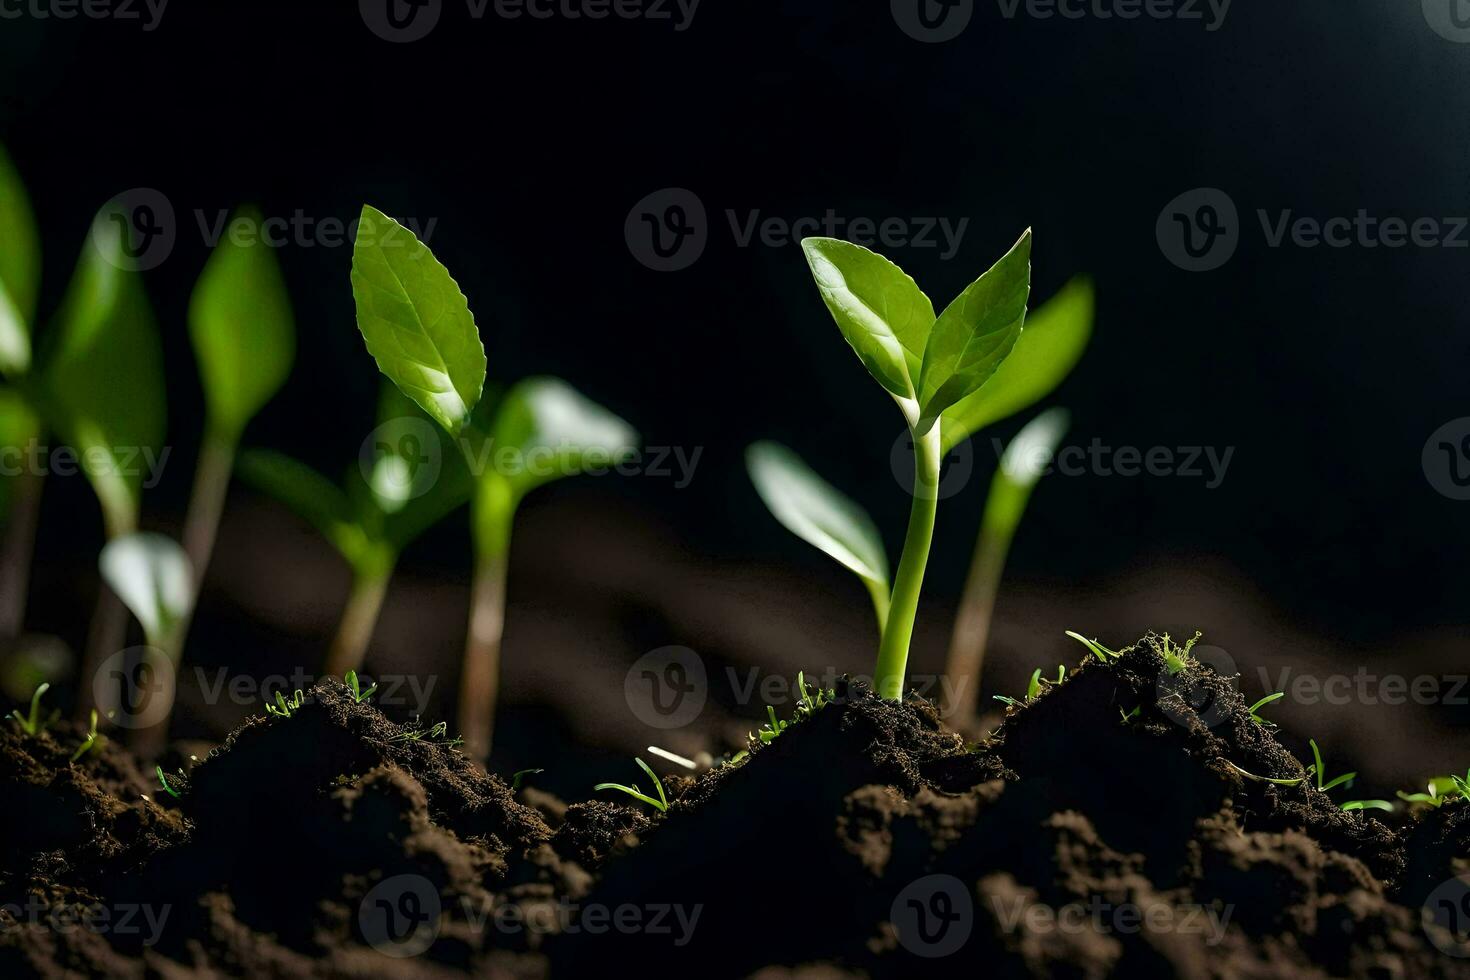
(437, 734)
(1441, 790)
(163, 782)
(1317, 769)
(354, 686)
(1034, 688)
(1265, 779)
(1176, 657)
(1261, 704)
(286, 707)
(1097, 649)
(519, 779)
(661, 804)
(1352, 805)
(35, 723)
(807, 704)
(93, 740)
(936, 368)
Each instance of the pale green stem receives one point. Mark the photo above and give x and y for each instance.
(359, 619)
(211, 483)
(479, 686)
(898, 632)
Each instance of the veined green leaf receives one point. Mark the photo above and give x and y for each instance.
(1049, 347)
(975, 333)
(415, 321)
(821, 515)
(151, 575)
(104, 380)
(20, 270)
(241, 326)
(881, 312)
(545, 429)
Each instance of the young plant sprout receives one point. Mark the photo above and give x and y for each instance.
(1095, 648)
(1034, 688)
(92, 741)
(354, 686)
(286, 707)
(1320, 772)
(1351, 805)
(1265, 779)
(1261, 704)
(1176, 657)
(1441, 789)
(661, 804)
(35, 722)
(519, 779)
(163, 783)
(418, 327)
(935, 368)
(807, 704)
(437, 734)
(383, 508)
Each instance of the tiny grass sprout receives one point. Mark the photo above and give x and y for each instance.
(93, 740)
(436, 734)
(286, 707)
(1352, 805)
(807, 704)
(359, 694)
(35, 723)
(1176, 657)
(1264, 779)
(1261, 704)
(1441, 790)
(661, 804)
(1098, 650)
(674, 757)
(1130, 715)
(163, 782)
(519, 778)
(1318, 770)
(1033, 688)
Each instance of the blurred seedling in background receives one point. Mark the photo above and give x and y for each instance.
(419, 329)
(355, 688)
(661, 804)
(285, 707)
(94, 739)
(935, 368)
(519, 779)
(1034, 687)
(36, 721)
(1440, 790)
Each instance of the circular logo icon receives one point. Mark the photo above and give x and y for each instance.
(667, 230)
(1199, 230)
(134, 688)
(933, 916)
(401, 460)
(401, 21)
(666, 688)
(136, 231)
(933, 21)
(955, 469)
(1445, 916)
(1446, 459)
(1186, 694)
(1450, 19)
(400, 916)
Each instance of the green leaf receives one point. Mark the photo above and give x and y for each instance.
(881, 312)
(151, 575)
(243, 332)
(20, 270)
(545, 430)
(1029, 454)
(104, 380)
(312, 497)
(975, 333)
(402, 425)
(817, 512)
(415, 321)
(19, 425)
(1051, 344)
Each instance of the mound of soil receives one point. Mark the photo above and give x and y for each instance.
(1120, 823)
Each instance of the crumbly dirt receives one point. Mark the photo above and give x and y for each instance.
(868, 840)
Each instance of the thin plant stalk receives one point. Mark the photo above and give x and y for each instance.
(977, 604)
(108, 631)
(18, 547)
(898, 631)
(479, 687)
(359, 619)
(207, 502)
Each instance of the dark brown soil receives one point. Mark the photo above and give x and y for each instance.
(868, 840)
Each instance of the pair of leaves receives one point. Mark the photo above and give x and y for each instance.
(927, 363)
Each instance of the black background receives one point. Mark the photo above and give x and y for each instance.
(1326, 369)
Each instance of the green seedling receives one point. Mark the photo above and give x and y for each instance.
(1129, 716)
(1095, 648)
(1265, 779)
(1352, 805)
(808, 703)
(1033, 688)
(93, 741)
(163, 783)
(384, 505)
(1320, 772)
(1441, 790)
(418, 327)
(1261, 704)
(519, 779)
(1176, 657)
(354, 686)
(661, 804)
(436, 734)
(35, 722)
(286, 707)
(937, 369)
